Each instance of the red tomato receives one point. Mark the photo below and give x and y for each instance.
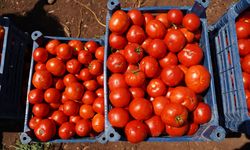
(120, 97)
(155, 29)
(116, 63)
(244, 16)
(148, 17)
(149, 66)
(140, 109)
(86, 111)
(246, 64)
(45, 130)
(136, 131)
(40, 110)
(170, 89)
(248, 104)
(34, 121)
(135, 78)
(68, 79)
(98, 105)
(157, 48)
(175, 16)
(156, 88)
(136, 92)
(136, 17)
(66, 130)
(117, 81)
(73, 66)
(202, 114)
(99, 53)
(40, 66)
(197, 78)
(51, 46)
(83, 127)
(59, 117)
(244, 47)
(98, 123)
(74, 91)
(40, 55)
(91, 46)
(132, 68)
(42, 79)
(52, 95)
(71, 108)
(155, 125)
(118, 117)
(2, 31)
(247, 92)
(64, 98)
(100, 79)
(136, 34)
(175, 40)
(85, 75)
(197, 35)
(172, 75)
(119, 22)
(100, 92)
(163, 17)
(90, 85)
(169, 60)
(174, 115)
(74, 119)
(35, 96)
(177, 131)
(188, 35)
(191, 21)
(146, 43)
(89, 97)
(193, 128)
(246, 80)
(60, 107)
(64, 51)
(117, 41)
(58, 83)
(56, 67)
(84, 57)
(76, 45)
(159, 104)
(133, 53)
(54, 106)
(242, 30)
(96, 67)
(183, 68)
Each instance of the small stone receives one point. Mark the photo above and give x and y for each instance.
(51, 2)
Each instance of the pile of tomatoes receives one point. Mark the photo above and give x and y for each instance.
(67, 95)
(157, 80)
(1, 41)
(243, 35)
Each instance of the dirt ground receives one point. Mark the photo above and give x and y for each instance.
(68, 18)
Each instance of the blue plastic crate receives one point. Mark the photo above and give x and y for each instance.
(226, 57)
(27, 136)
(15, 44)
(207, 132)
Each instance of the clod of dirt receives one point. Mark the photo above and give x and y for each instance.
(51, 2)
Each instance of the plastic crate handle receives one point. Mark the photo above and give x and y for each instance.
(199, 7)
(241, 6)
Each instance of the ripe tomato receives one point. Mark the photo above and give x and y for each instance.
(132, 68)
(59, 117)
(64, 98)
(146, 43)
(157, 48)
(177, 131)
(54, 106)
(95, 67)
(2, 30)
(86, 111)
(98, 105)
(136, 17)
(175, 40)
(40, 66)
(120, 97)
(64, 51)
(183, 68)
(184, 96)
(136, 34)
(99, 53)
(188, 35)
(172, 75)
(51, 46)
(118, 117)
(76, 45)
(58, 83)
(155, 125)
(247, 92)
(197, 78)
(74, 91)
(83, 127)
(34, 121)
(246, 63)
(90, 85)
(98, 123)
(169, 60)
(174, 115)
(117, 81)
(135, 78)
(119, 22)
(202, 114)
(133, 53)
(170, 89)
(140, 109)
(52, 95)
(244, 16)
(193, 128)
(66, 130)
(242, 30)
(68, 79)
(91, 46)
(45, 130)
(175, 16)
(248, 104)
(136, 131)
(148, 17)
(40, 110)
(116, 63)
(35, 96)
(117, 41)
(163, 17)
(56, 67)
(191, 55)
(100, 92)
(71, 108)
(84, 57)
(155, 29)
(89, 97)
(73, 66)
(40, 55)
(74, 119)
(246, 80)
(191, 21)
(136, 92)
(159, 104)
(244, 46)
(100, 79)
(85, 74)
(149, 66)
(156, 88)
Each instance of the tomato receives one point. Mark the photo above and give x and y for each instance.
(98, 105)
(73, 66)
(247, 92)
(202, 114)
(64, 98)
(98, 123)
(246, 80)
(51, 46)
(90, 85)
(74, 91)
(172, 75)
(175, 16)
(191, 21)
(56, 67)
(45, 130)
(34, 121)
(74, 119)
(117, 41)
(120, 97)
(148, 17)
(118, 117)
(188, 35)
(68, 79)
(70, 108)
(155, 125)
(149, 66)
(85, 74)
(133, 53)
(99, 53)
(174, 115)
(170, 89)
(136, 131)
(244, 46)
(119, 22)
(52, 95)
(91, 46)
(117, 81)
(40, 66)
(132, 68)
(177, 131)
(59, 117)
(116, 63)
(242, 30)
(136, 34)
(95, 67)
(197, 35)
(40, 55)
(100, 79)
(89, 97)
(246, 63)
(163, 17)
(146, 43)
(54, 106)
(155, 29)
(175, 40)
(86, 111)
(2, 33)
(244, 16)
(136, 92)
(61, 107)
(100, 92)
(197, 78)
(183, 68)
(193, 128)
(248, 104)
(157, 48)
(84, 57)
(184, 96)
(136, 17)
(35, 96)
(159, 104)
(140, 109)
(135, 78)
(58, 83)
(40, 110)
(64, 51)
(169, 60)
(156, 88)
(76, 45)
(83, 127)
(66, 130)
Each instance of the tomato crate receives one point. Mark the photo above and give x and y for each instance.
(228, 72)
(27, 135)
(210, 131)
(14, 45)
